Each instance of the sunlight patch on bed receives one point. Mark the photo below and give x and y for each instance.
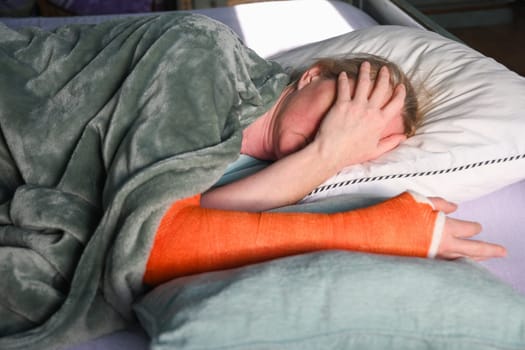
(313, 14)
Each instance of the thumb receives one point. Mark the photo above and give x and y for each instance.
(388, 143)
(443, 205)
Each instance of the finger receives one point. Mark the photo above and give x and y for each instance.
(443, 205)
(478, 259)
(343, 88)
(363, 82)
(479, 249)
(397, 101)
(462, 228)
(381, 93)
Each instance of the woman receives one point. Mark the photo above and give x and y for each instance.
(293, 123)
(104, 127)
(315, 118)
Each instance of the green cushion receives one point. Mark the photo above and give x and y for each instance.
(337, 300)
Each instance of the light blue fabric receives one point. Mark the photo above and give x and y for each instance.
(242, 167)
(337, 300)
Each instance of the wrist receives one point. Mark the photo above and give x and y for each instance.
(325, 157)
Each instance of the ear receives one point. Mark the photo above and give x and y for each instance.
(311, 74)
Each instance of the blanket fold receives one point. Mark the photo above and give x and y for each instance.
(102, 128)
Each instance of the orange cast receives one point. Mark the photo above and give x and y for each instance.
(191, 239)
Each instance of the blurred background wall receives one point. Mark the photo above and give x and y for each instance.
(494, 27)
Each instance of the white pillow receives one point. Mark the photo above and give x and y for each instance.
(472, 141)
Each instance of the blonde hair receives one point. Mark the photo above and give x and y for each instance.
(332, 67)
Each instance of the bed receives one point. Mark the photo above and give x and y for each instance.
(490, 189)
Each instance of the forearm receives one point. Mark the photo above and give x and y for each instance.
(191, 239)
(282, 183)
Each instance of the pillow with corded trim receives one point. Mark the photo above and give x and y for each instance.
(471, 140)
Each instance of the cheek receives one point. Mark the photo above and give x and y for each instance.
(290, 142)
(298, 131)
(303, 117)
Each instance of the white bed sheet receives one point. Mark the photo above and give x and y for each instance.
(502, 215)
(290, 24)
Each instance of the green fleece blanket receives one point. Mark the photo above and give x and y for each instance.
(102, 127)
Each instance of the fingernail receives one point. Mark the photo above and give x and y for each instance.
(503, 252)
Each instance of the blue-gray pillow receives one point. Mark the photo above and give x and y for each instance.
(337, 300)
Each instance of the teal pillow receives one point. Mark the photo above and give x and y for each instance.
(337, 300)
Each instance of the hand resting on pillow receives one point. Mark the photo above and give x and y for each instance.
(455, 242)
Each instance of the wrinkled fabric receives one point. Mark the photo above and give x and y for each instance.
(102, 127)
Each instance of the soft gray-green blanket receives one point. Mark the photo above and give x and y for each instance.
(102, 127)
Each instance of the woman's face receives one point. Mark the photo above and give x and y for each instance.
(303, 110)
